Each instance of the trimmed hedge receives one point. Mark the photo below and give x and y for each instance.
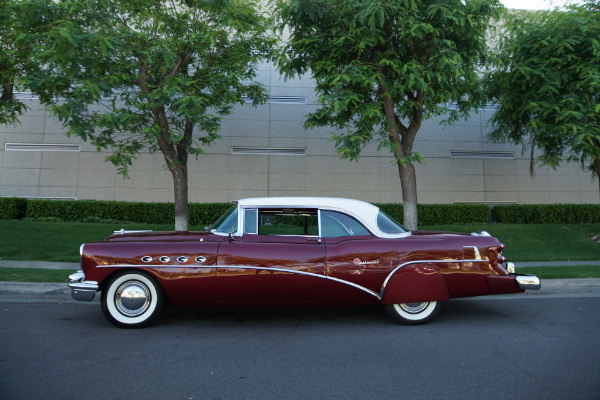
(12, 208)
(82, 210)
(150, 213)
(442, 214)
(206, 213)
(546, 213)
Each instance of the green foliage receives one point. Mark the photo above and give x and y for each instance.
(419, 54)
(436, 214)
(547, 213)
(546, 83)
(18, 18)
(381, 67)
(202, 214)
(12, 208)
(129, 75)
(82, 210)
(120, 211)
(134, 75)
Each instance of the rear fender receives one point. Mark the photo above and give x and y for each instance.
(414, 284)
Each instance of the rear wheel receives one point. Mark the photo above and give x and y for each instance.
(132, 300)
(412, 313)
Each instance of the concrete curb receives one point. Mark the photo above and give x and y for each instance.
(38, 264)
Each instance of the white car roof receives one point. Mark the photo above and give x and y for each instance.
(364, 212)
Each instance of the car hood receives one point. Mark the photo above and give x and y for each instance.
(150, 236)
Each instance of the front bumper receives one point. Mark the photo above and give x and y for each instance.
(82, 290)
(525, 282)
(528, 282)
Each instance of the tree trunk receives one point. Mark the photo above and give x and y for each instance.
(408, 181)
(597, 166)
(180, 187)
(402, 138)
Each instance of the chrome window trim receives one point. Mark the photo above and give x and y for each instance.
(345, 206)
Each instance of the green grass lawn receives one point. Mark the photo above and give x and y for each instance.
(543, 242)
(575, 271)
(60, 241)
(56, 241)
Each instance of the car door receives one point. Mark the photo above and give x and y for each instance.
(277, 259)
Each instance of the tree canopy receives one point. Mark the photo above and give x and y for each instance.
(136, 75)
(20, 23)
(546, 83)
(381, 67)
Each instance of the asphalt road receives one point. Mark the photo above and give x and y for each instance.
(527, 347)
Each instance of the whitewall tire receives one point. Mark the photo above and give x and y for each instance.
(132, 300)
(412, 313)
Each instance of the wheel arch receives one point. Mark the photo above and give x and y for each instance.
(413, 283)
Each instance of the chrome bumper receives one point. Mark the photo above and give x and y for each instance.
(525, 282)
(528, 282)
(81, 289)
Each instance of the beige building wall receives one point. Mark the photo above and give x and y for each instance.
(460, 166)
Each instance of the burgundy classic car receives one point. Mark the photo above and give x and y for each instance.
(293, 251)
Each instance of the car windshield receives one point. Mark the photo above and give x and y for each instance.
(228, 223)
(389, 225)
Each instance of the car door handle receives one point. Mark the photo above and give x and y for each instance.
(315, 240)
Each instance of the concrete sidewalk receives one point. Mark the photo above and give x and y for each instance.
(38, 264)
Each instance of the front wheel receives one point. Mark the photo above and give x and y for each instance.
(412, 313)
(132, 300)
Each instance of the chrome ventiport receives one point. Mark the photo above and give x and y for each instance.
(146, 259)
(182, 259)
(164, 259)
(200, 259)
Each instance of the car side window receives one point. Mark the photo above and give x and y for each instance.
(250, 221)
(288, 222)
(335, 224)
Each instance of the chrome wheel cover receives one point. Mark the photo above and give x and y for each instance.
(132, 298)
(413, 308)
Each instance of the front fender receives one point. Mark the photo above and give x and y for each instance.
(414, 284)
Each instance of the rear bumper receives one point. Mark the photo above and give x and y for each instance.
(512, 283)
(82, 290)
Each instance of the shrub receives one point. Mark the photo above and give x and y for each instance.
(202, 214)
(546, 213)
(12, 208)
(206, 213)
(81, 210)
(121, 211)
(442, 214)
